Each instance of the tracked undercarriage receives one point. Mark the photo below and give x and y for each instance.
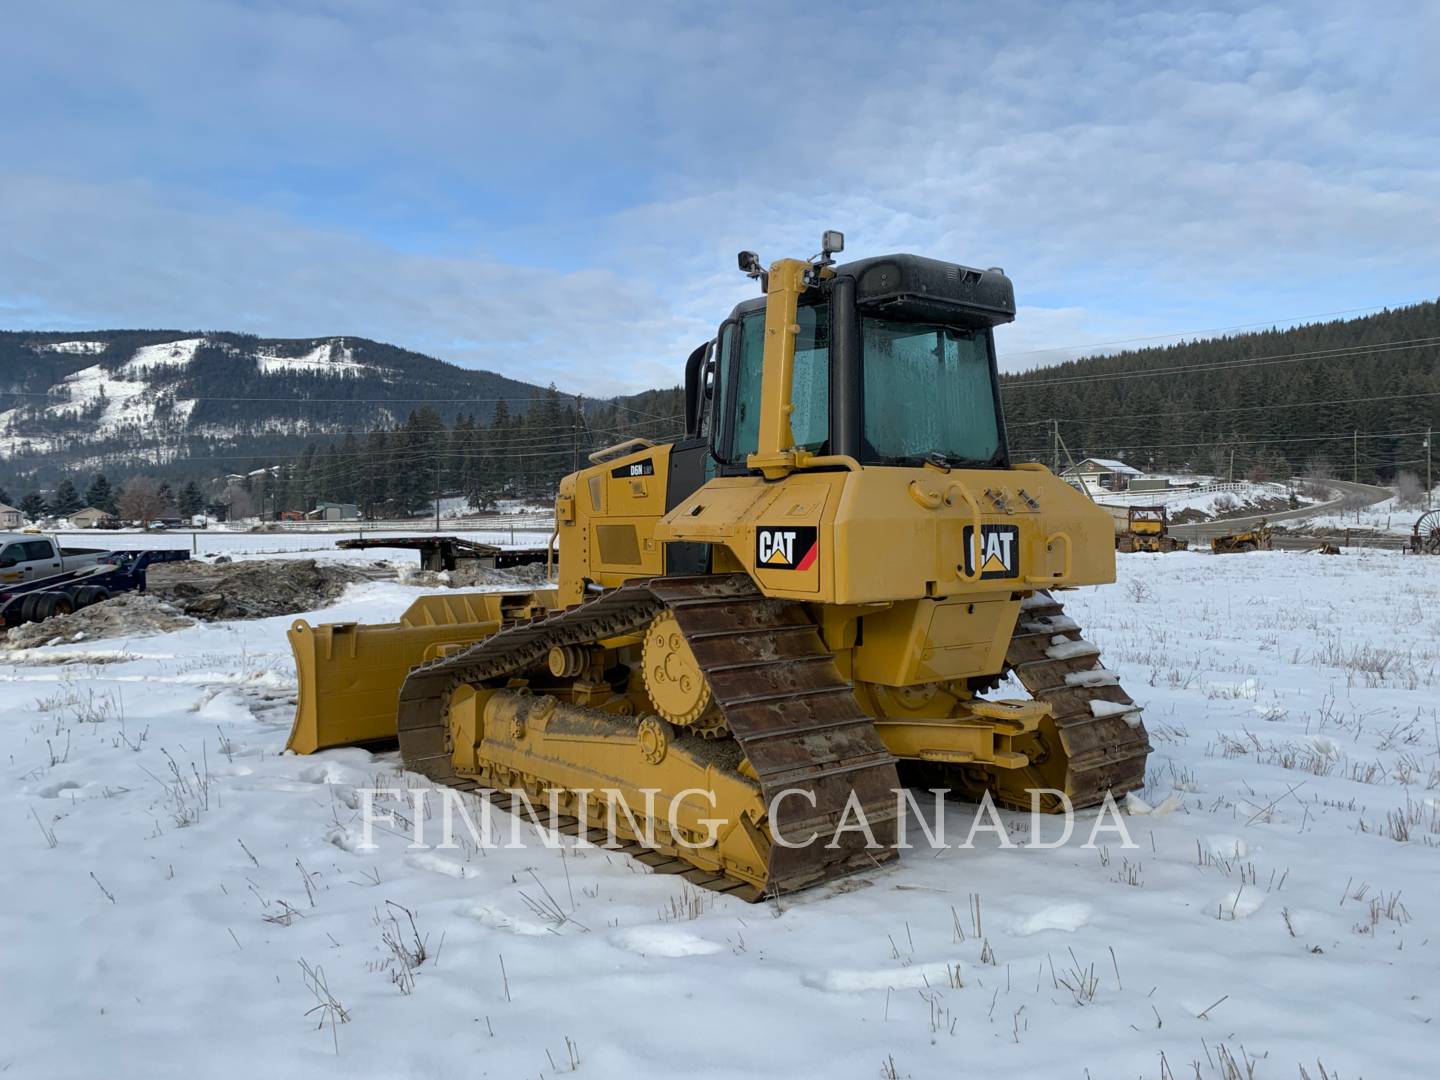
(738, 750)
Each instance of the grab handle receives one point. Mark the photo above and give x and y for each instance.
(1050, 540)
(973, 550)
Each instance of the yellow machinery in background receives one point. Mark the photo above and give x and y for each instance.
(779, 619)
(1144, 528)
(1258, 538)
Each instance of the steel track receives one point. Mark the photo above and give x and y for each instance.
(783, 699)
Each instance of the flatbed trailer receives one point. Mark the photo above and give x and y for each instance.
(445, 552)
(60, 594)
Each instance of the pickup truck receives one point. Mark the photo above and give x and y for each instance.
(39, 578)
(25, 558)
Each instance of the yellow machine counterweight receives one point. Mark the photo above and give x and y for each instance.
(771, 622)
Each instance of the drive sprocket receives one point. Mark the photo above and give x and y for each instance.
(677, 687)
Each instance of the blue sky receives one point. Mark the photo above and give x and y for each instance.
(557, 191)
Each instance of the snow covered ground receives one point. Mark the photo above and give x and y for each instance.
(1207, 500)
(183, 899)
(1389, 515)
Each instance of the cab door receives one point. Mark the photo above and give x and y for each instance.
(42, 559)
(12, 563)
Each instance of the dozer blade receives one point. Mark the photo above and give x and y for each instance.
(350, 674)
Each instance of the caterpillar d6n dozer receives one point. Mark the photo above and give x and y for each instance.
(779, 619)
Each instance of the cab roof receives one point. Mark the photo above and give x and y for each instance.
(925, 288)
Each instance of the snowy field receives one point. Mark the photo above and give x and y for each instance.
(1389, 516)
(185, 900)
(1211, 503)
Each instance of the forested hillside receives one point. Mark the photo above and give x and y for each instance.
(1351, 394)
(181, 404)
(355, 421)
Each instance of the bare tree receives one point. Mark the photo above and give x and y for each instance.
(1318, 469)
(1409, 490)
(240, 504)
(141, 500)
(1259, 472)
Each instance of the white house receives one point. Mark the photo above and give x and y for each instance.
(10, 518)
(89, 518)
(1095, 475)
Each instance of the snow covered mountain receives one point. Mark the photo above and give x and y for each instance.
(107, 398)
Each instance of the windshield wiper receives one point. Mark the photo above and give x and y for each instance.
(952, 461)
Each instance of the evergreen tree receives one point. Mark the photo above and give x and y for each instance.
(33, 506)
(464, 457)
(192, 502)
(99, 494)
(496, 472)
(281, 490)
(330, 469)
(372, 477)
(4, 496)
(65, 499)
(416, 461)
(345, 469)
(306, 480)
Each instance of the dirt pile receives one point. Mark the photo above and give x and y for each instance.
(255, 589)
(469, 574)
(126, 615)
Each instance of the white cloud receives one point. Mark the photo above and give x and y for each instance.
(124, 257)
(560, 195)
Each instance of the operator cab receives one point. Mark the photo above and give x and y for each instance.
(894, 366)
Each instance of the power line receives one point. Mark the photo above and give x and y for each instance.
(1021, 382)
(1211, 412)
(1260, 437)
(294, 400)
(1214, 330)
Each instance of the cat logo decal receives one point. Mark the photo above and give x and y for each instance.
(999, 551)
(786, 547)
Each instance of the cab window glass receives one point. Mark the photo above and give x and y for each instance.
(39, 549)
(721, 383)
(810, 391)
(928, 394)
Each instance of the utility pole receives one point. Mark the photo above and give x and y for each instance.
(1429, 482)
(1232, 465)
(1355, 460)
(575, 439)
(437, 493)
(1055, 447)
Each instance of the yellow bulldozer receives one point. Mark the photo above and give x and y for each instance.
(1257, 538)
(765, 629)
(1144, 528)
